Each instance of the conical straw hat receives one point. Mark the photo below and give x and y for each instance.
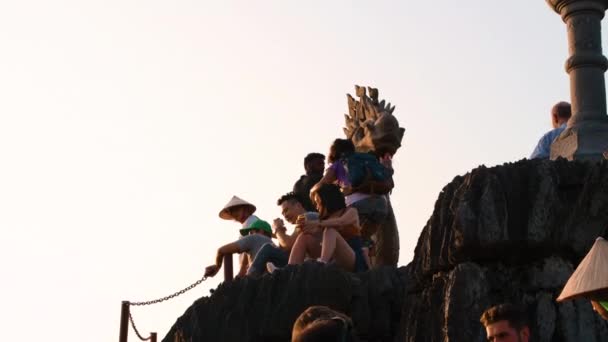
(591, 275)
(234, 202)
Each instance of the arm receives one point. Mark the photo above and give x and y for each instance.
(349, 217)
(230, 248)
(328, 178)
(285, 241)
(387, 161)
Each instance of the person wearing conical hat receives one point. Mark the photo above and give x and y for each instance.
(590, 279)
(256, 235)
(239, 210)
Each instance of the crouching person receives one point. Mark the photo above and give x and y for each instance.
(256, 235)
(341, 241)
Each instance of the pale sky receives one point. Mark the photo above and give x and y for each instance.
(125, 126)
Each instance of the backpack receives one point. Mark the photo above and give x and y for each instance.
(367, 175)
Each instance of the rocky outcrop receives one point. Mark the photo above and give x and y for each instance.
(514, 232)
(264, 309)
(509, 233)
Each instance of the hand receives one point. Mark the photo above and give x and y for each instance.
(311, 227)
(387, 160)
(212, 270)
(301, 220)
(278, 224)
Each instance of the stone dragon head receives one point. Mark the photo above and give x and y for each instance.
(371, 125)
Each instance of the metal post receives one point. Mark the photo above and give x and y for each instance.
(228, 274)
(153, 337)
(124, 321)
(586, 136)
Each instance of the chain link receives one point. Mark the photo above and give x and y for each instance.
(180, 292)
(137, 331)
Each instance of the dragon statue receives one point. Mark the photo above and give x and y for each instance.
(372, 128)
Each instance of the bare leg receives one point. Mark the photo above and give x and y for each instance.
(305, 243)
(334, 246)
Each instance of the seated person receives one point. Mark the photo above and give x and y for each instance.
(292, 206)
(320, 323)
(255, 236)
(371, 208)
(241, 211)
(314, 164)
(341, 232)
(560, 114)
(506, 323)
(590, 279)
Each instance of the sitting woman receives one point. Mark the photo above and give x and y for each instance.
(341, 232)
(371, 208)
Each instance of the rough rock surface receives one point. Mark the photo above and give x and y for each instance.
(509, 233)
(264, 309)
(514, 232)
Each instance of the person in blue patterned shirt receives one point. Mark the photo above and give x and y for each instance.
(560, 114)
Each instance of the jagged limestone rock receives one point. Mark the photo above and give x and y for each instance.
(264, 309)
(517, 210)
(515, 233)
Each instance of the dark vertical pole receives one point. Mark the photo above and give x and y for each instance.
(153, 337)
(124, 321)
(228, 274)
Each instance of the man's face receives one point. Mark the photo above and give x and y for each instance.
(316, 165)
(502, 331)
(291, 209)
(240, 213)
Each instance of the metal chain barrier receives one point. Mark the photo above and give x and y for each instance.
(180, 292)
(150, 302)
(137, 331)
